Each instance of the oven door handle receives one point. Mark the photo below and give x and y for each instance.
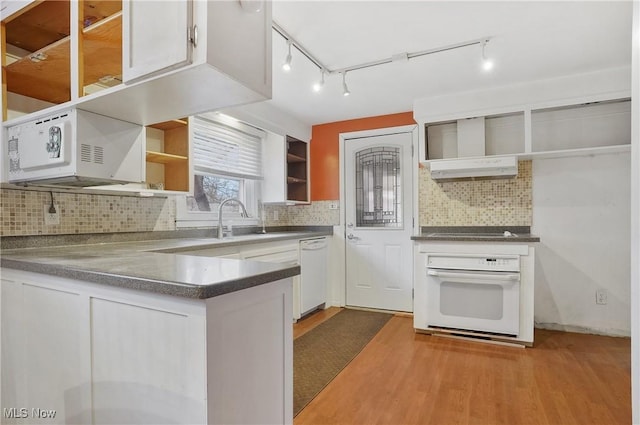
(482, 278)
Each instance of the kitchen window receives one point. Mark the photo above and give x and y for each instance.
(227, 164)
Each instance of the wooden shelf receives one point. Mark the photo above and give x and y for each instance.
(43, 24)
(295, 180)
(168, 155)
(47, 80)
(297, 170)
(44, 30)
(169, 125)
(102, 46)
(295, 158)
(165, 158)
(97, 10)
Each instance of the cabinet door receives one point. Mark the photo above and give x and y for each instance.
(45, 355)
(147, 364)
(155, 36)
(250, 356)
(239, 42)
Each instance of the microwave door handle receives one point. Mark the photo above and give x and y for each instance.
(482, 278)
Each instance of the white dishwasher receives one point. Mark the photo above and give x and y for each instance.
(313, 275)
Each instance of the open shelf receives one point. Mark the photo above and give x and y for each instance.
(41, 25)
(167, 155)
(295, 180)
(39, 43)
(48, 79)
(168, 125)
(164, 158)
(297, 170)
(102, 46)
(295, 158)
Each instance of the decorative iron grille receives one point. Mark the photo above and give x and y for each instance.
(378, 191)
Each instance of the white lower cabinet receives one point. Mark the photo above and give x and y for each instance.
(285, 252)
(45, 353)
(281, 253)
(84, 353)
(146, 363)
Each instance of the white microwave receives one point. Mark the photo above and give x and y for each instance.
(75, 148)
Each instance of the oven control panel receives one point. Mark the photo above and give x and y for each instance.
(510, 263)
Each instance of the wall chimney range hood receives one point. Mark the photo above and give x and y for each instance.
(475, 168)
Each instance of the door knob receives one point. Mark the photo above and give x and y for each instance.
(351, 237)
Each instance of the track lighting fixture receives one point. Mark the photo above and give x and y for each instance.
(317, 86)
(286, 66)
(345, 89)
(487, 63)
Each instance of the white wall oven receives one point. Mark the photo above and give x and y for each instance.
(481, 290)
(473, 292)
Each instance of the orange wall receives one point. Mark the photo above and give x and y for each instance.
(325, 160)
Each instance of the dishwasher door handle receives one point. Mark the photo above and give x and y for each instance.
(312, 245)
(481, 278)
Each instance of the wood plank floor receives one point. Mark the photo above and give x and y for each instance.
(406, 378)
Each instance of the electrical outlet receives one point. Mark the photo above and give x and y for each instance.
(333, 206)
(51, 219)
(275, 215)
(601, 296)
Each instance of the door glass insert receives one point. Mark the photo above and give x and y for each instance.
(378, 187)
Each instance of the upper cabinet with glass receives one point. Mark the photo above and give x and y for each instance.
(142, 61)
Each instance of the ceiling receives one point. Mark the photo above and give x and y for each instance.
(529, 41)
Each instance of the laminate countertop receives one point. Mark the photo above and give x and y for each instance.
(510, 234)
(158, 265)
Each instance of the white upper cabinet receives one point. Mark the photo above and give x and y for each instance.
(149, 24)
(142, 61)
(581, 114)
(229, 64)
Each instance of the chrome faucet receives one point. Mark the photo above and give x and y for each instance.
(222, 204)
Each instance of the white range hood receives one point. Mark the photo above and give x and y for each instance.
(469, 168)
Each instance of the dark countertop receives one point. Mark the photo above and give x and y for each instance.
(157, 265)
(511, 234)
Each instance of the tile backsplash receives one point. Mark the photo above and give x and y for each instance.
(318, 213)
(22, 213)
(496, 202)
(459, 203)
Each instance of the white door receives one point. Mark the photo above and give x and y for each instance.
(155, 36)
(378, 201)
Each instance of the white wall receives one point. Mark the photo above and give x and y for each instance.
(581, 211)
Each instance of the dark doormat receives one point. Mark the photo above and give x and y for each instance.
(320, 354)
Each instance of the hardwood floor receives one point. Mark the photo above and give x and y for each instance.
(406, 378)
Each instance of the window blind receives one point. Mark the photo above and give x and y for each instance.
(232, 150)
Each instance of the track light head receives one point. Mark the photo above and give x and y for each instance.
(487, 63)
(317, 86)
(286, 66)
(345, 89)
